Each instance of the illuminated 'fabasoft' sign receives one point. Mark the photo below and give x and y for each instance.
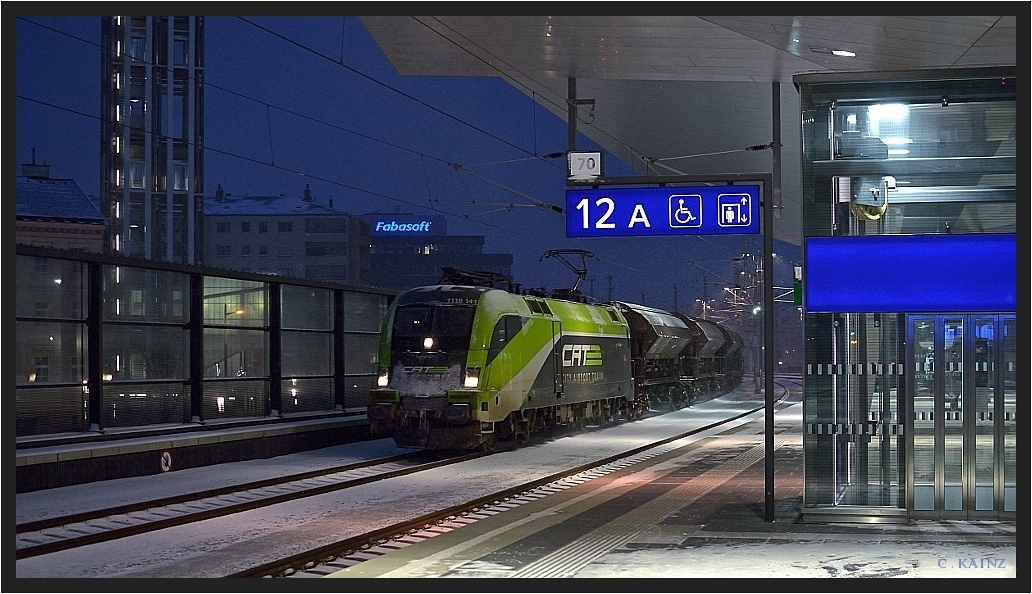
(396, 227)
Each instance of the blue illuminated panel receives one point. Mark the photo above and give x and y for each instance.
(681, 210)
(911, 273)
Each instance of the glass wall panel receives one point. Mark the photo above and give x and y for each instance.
(46, 410)
(356, 394)
(235, 399)
(145, 330)
(235, 352)
(953, 417)
(984, 419)
(307, 353)
(924, 414)
(364, 311)
(235, 302)
(360, 353)
(864, 424)
(307, 395)
(133, 352)
(133, 405)
(50, 288)
(50, 353)
(1008, 409)
(143, 295)
(307, 308)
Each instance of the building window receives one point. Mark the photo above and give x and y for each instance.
(263, 227)
(136, 302)
(42, 309)
(42, 265)
(137, 366)
(223, 250)
(326, 248)
(136, 175)
(263, 250)
(136, 47)
(179, 181)
(222, 227)
(245, 250)
(245, 227)
(41, 369)
(177, 118)
(136, 109)
(286, 227)
(177, 304)
(284, 271)
(179, 52)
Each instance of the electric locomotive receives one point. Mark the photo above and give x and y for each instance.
(463, 366)
(472, 360)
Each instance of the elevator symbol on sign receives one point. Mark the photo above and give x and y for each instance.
(685, 210)
(734, 209)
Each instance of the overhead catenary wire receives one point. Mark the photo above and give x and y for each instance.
(535, 201)
(268, 108)
(460, 168)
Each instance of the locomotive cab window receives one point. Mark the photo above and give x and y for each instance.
(449, 326)
(506, 328)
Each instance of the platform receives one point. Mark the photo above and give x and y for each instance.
(696, 512)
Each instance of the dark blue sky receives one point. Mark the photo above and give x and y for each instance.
(292, 101)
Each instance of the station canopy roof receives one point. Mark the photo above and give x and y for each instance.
(698, 87)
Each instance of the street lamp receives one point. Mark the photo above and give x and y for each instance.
(225, 336)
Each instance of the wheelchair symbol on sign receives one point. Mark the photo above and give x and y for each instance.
(685, 210)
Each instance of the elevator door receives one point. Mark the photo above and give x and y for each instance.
(962, 442)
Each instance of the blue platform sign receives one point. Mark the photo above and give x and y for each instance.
(670, 210)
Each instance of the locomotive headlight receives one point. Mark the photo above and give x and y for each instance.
(472, 378)
(382, 379)
(428, 343)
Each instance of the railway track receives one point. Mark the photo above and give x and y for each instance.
(327, 559)
(62, 533)
(69, 532)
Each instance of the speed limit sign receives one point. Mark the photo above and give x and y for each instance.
(584, 165)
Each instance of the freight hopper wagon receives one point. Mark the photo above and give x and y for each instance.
(658, 341)
(711, 364)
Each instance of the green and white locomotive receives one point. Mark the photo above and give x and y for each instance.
(464, 364)
(467, 366)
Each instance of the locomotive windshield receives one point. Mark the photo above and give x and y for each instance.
(449, 325)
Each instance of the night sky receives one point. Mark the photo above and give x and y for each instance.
(295, 101)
